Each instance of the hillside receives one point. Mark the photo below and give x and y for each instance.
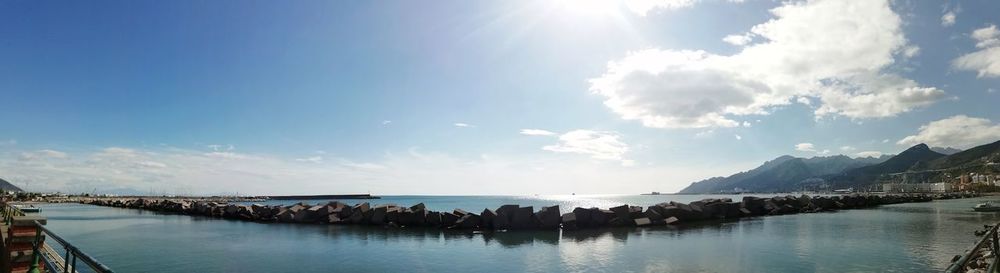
(945, 150)
(974, 156)
(914, 158)
(784, 173)
(7, 186)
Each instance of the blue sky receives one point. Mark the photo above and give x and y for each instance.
(417, 97)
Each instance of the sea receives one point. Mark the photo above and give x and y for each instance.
(913, 237)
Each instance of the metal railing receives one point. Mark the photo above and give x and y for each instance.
(990, 237)
(44, 255)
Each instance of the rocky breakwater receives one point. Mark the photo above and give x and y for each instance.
(515, 217)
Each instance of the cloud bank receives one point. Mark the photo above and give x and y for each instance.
(837, 53)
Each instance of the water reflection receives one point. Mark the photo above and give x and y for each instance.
(905, 237)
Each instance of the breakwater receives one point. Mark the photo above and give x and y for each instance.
(329, 196)
(514, 217)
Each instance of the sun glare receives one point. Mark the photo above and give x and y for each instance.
(590, 7)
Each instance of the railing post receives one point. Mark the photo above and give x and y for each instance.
(66, 262)
(35, 247)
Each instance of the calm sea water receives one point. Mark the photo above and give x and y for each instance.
(918, 237)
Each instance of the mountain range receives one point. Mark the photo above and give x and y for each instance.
(787, 173)
(7, 186)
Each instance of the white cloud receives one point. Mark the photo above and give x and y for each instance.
(805, 147)
(738, 40)
(911, 51)
(991, 90)
(868, 154)
(826, 151)
(601, 145)
(459, 124)
(948, 19)
(43, 154)
(738, 137)
(834, 51)
(643, 7)
(847, 148)
(958, 131)
(386, 122)
(986, 37)
(885, 140)
(167, 170)
(986, 61)
(313, 159)
(536, 132)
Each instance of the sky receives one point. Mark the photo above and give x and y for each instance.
(477, 97)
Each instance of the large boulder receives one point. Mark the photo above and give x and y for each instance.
(245, 212)
(755, 205)
(449, 219)
(652, 213)
(433, 218)
(582, 217)
(505, 215)
(378, 216)
(600, 217)
(469, 221)
(569, 221)
(622, 211)
(548, 217)
(335, 219)
(524, 218)
(285, 216)
(231, 210)
(409, 217)
(393, 213)
(488, 217)
(361, 213)
(310, 214)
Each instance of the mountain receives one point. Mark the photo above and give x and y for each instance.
(974, 156)
(784, 173)
(945, 150)
(7, 186)
(914, 158)
(916, 164)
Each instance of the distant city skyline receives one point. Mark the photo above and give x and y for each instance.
(475, 97)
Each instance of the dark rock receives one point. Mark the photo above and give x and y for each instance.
(569, 221)
(488, 216)
(524, 218)
(582, 217)
(334, 219)
(433, 218)
(548, 217)
(622, 212)
(653, 216)
(505, 216)
(448, 219)
(469, 221)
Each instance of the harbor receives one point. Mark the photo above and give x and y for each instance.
(860, 240)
